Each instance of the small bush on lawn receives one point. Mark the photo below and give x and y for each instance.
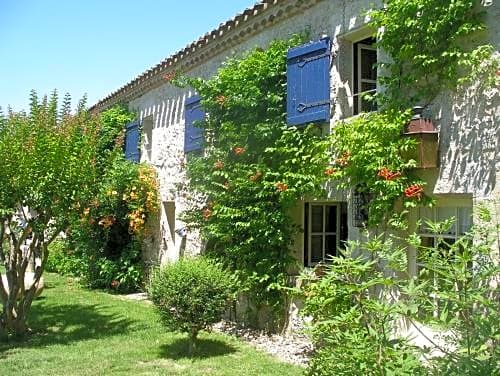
(191, 294)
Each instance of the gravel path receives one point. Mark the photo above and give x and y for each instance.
(293, 348)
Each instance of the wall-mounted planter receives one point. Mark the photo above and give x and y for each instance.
(425, 133)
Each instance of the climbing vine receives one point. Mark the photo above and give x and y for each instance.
(253, 170)
(435, 54)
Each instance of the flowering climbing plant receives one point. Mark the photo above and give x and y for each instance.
(371, 157)
(253, 170)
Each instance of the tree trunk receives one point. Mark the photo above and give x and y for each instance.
(16, 299)
(192, 341)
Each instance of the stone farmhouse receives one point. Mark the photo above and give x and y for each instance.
(460, 135)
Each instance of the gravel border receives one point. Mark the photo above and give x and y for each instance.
(294, 348)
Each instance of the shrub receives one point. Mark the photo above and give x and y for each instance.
(62, 261)
(353, 322)
(191, 294)
(107, 233)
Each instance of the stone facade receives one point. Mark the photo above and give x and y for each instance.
(468, 122)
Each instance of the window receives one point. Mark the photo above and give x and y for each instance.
(325, 231)
(460, 222)
(147, 138)
(365, 74)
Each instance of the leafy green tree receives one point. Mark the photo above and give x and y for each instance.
(48, 170)
(191, 294)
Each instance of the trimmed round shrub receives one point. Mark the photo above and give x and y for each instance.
(191, 294)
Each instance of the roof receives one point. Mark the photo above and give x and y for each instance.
(229, 33)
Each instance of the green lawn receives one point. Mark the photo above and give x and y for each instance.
(79, 332)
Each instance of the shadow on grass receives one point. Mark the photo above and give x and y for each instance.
(67, 323)
(205, 348)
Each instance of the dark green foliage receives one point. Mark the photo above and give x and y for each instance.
(191, 294)
(253, 170)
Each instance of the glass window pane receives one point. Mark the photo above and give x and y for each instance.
(445, 214)
(464, 220)
(316, 248)
(366, 104)
(331, 218)
(317, 218)
(425, 215)
(330, 246)
(368, 86)
(368, 61)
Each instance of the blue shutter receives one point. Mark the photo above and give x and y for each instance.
(132, 136)
(308, 83)
(193, 136)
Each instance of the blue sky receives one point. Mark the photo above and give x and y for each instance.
(94, 46)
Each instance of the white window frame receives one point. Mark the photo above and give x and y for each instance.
(359, 93)
(147, 138)
(323, 232)
(454, 234)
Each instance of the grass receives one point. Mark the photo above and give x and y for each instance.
(80, 332)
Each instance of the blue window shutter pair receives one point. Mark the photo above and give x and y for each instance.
(308, 83)
(193, 136)
(132, 137)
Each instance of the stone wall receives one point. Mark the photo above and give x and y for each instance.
(468, 121)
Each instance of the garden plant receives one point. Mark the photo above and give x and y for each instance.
(191, 294)
(48, 170)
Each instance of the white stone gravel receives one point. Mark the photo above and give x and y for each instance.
(293, 348)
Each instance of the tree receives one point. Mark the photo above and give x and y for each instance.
(48, 170)
(191, 294)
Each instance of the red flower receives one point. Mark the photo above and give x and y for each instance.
(414, 190)
(239, 150)
(330, 171)
(387, 174)
(218, 165)
(281, 186)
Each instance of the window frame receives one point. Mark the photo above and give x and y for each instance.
(309, 233)
(449, 238)
(357, 80)
(147, 138)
